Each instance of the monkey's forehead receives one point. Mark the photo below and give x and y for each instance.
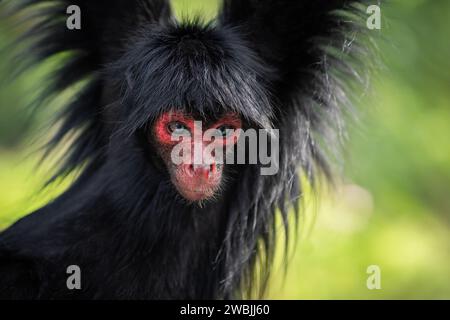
(202, 69)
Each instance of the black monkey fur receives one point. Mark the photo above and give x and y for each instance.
(278, 63)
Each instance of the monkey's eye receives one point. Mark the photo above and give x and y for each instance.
(178, 128)
(225, 130)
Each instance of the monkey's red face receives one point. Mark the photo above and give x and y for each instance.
(194, 151)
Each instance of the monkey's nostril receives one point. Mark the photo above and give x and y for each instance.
(191, 170)
(212, 168)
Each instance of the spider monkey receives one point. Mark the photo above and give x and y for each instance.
(138, 225)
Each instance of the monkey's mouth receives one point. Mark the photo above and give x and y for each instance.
(199, 194)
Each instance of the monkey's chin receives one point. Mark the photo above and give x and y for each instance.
(197, 186)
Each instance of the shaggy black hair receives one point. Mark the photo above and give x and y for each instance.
(278, 63)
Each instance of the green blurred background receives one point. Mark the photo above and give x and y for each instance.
(391, 210)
